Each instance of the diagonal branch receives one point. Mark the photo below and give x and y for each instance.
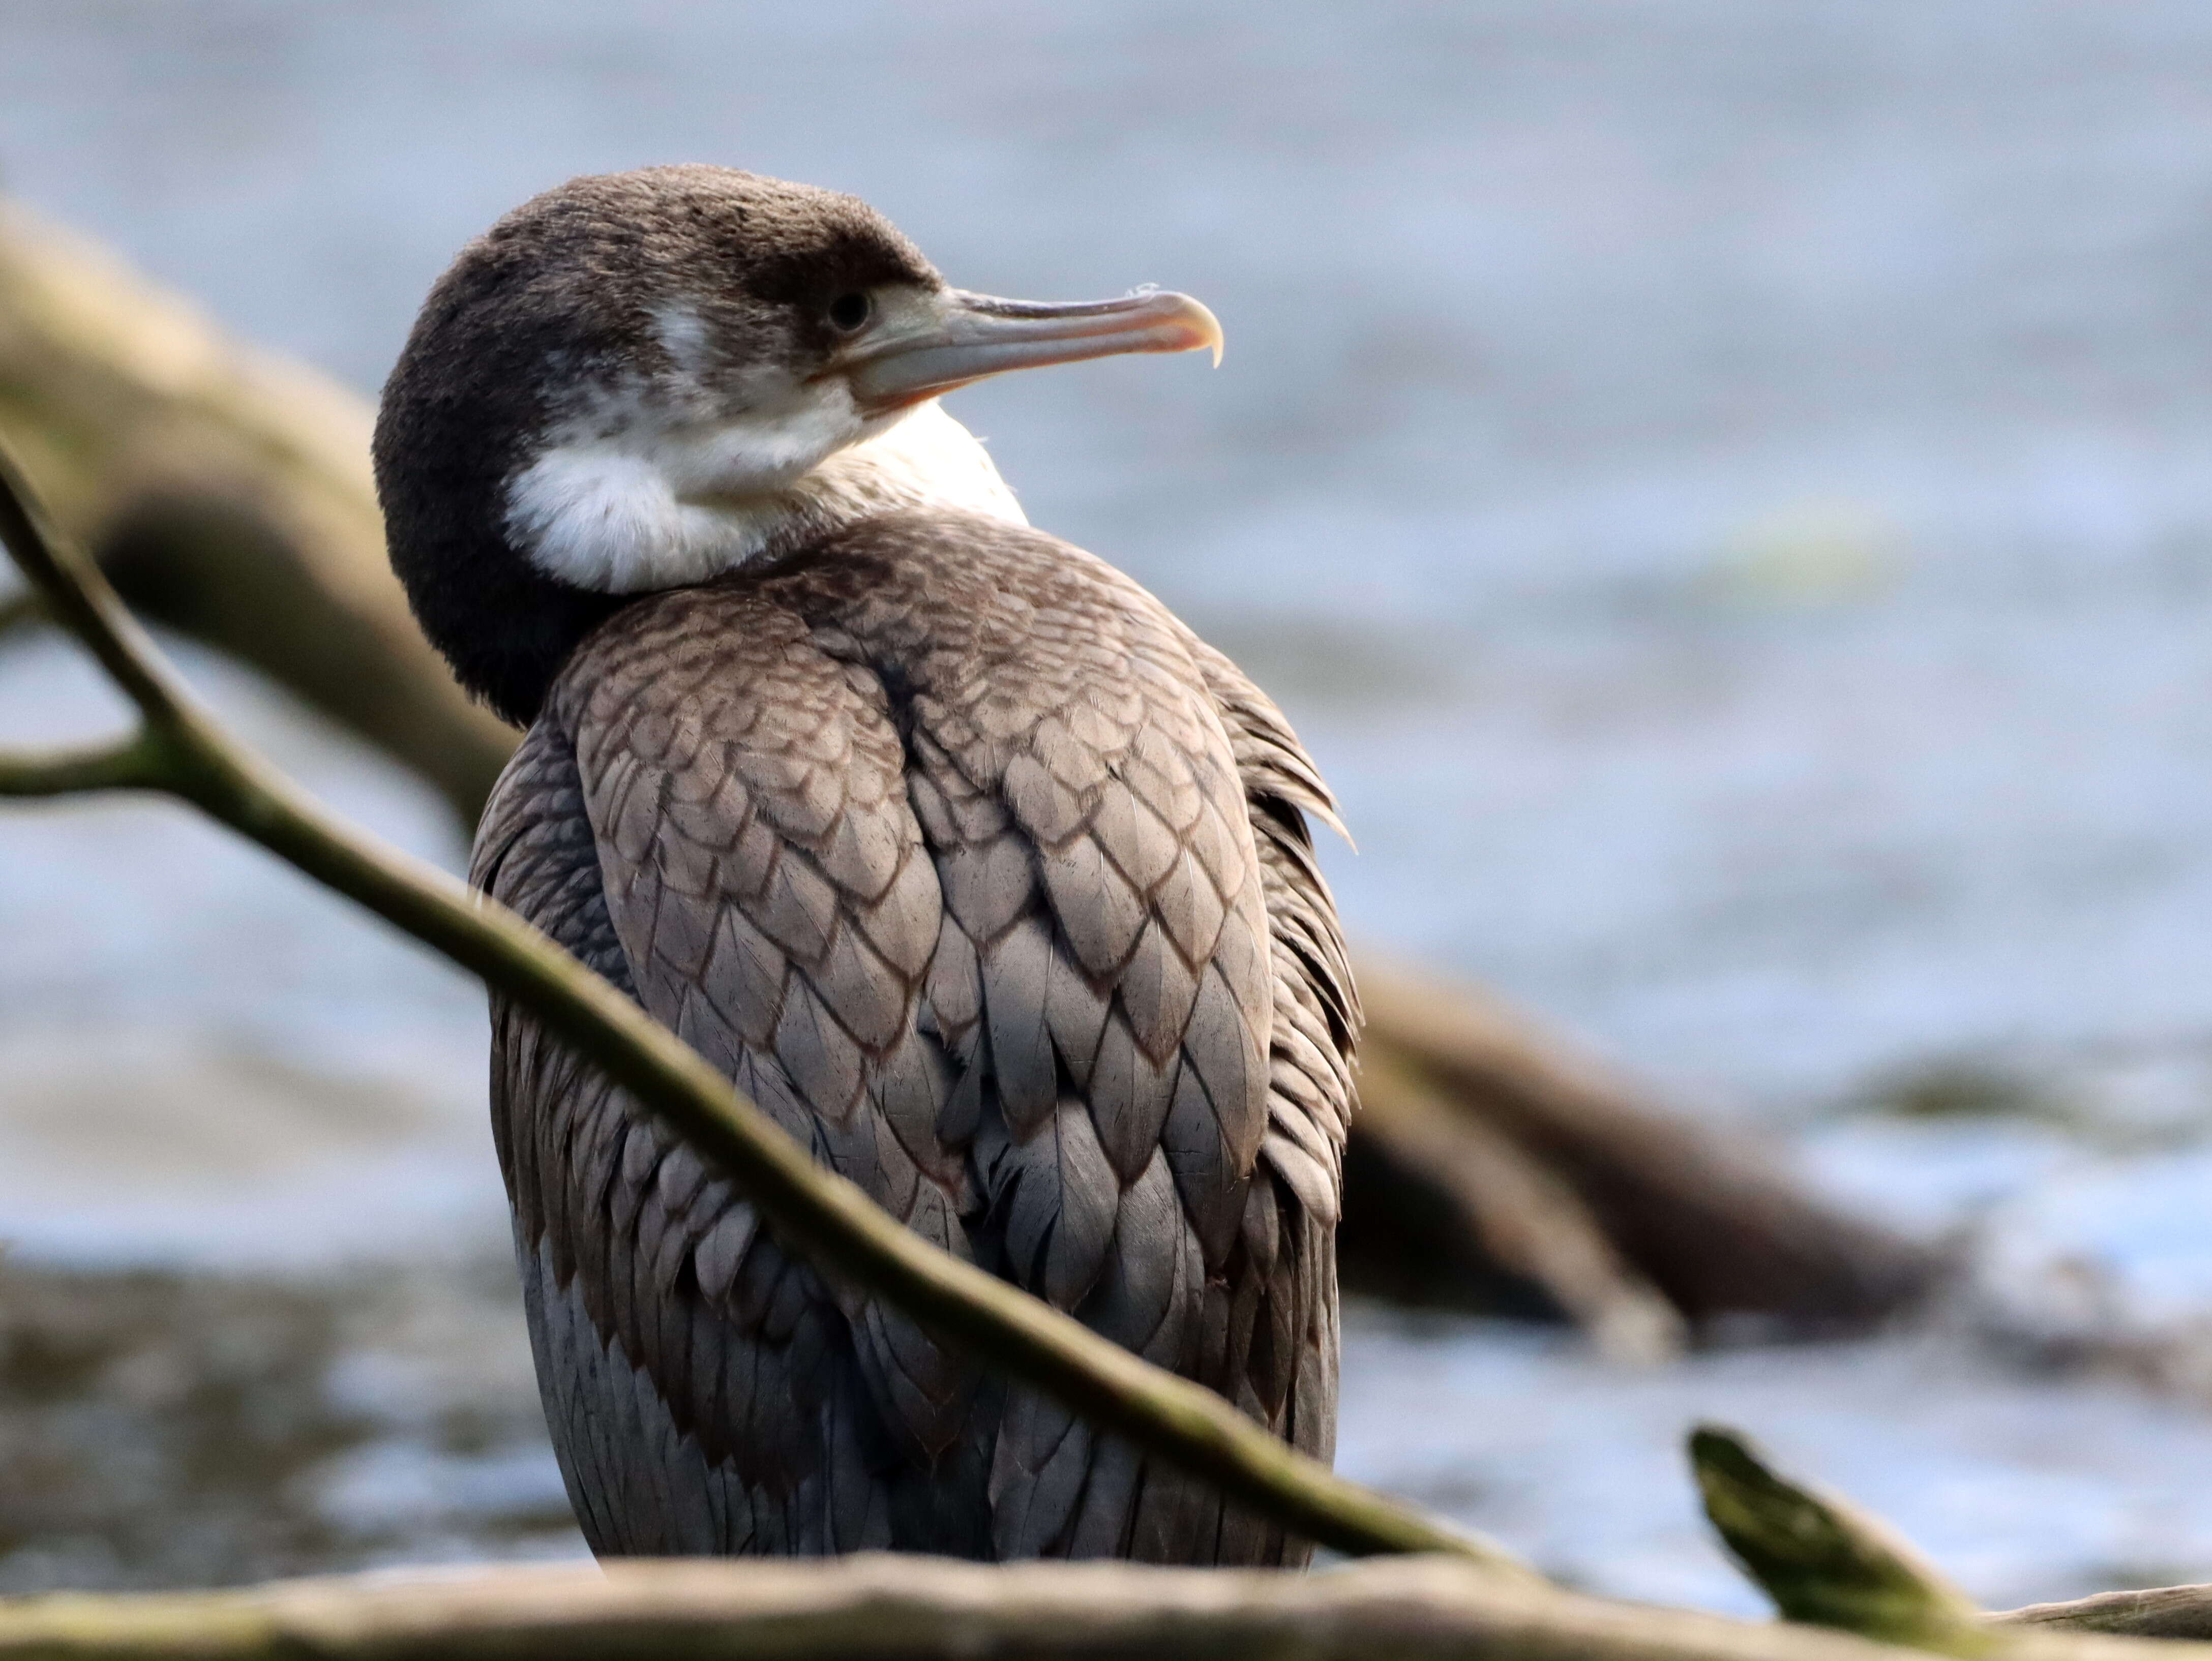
(184, 751)
(75, 596)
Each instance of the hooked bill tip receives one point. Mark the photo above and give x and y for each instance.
(1203, 328)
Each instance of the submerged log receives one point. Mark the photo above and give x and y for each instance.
(228, 493)
(1442, 1206)
(1640, 1199)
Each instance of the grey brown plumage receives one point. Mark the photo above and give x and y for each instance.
(991, 882)
(948, 843)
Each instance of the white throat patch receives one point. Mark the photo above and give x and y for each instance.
(632, 512)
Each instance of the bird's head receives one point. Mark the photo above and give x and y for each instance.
(641, 380)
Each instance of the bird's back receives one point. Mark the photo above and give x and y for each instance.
(991, 882)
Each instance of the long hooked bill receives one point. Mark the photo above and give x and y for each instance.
(964, 337)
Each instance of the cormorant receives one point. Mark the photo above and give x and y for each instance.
(961, 855)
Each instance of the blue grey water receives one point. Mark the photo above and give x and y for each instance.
(1723, 488)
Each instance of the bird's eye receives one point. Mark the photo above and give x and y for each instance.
(848, 311)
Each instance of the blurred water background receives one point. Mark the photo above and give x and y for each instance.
(1722, 487)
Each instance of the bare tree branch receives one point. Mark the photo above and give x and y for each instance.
(2166, 1612)
(227, 491)
(134, 763)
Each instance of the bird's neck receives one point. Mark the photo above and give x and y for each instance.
(508, 596)
(927, 460)
(619, 520)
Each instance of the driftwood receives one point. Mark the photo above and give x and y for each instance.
(875, 1608)
(227, 495)
(911, 1609)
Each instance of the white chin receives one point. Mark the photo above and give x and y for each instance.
(610, 520)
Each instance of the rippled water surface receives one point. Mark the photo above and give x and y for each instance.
(1722, 489)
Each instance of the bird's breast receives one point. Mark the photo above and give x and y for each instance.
(1035, 727)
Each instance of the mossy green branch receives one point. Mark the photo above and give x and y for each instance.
(135, 763)
(180, 749)
(1823, 1561)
